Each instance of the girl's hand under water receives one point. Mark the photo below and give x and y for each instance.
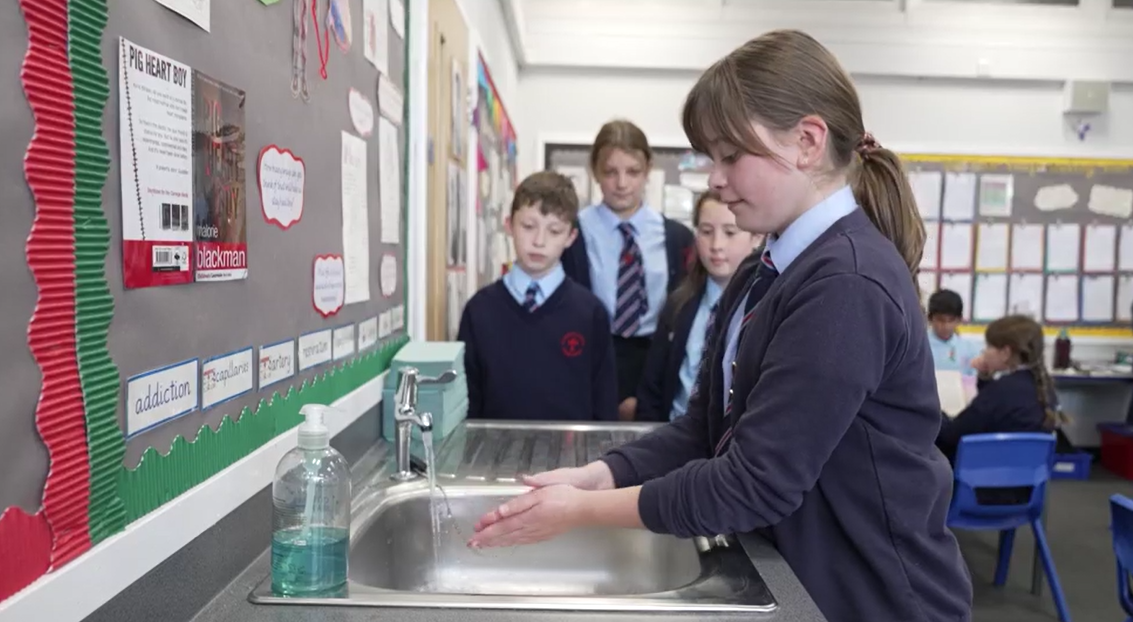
(531, 517)
(594, 476)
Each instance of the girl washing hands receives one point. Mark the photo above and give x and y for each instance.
(816, 407)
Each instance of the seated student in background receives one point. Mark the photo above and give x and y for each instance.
(537, 345)
(684, 325)
(1020, 398)
(629, 254)
(950, 351)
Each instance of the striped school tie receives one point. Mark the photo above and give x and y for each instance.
(632, 301)
(764, 277)
(529, 297)
(711, 323)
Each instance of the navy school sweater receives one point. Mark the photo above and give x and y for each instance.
(832, 455)
(1008, 404)
(555, 363)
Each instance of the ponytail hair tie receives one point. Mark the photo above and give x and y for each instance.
(867, 144)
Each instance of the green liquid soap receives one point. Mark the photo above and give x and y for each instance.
(309, 564)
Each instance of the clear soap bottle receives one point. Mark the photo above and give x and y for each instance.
(310, 513)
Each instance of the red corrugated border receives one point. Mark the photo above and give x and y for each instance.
(25, 547)
(50, 171)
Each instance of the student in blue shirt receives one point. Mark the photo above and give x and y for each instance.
(1015, 390)
(950, 351)
(816, 413)
(689, 316)
(629, 255)
(537, 345)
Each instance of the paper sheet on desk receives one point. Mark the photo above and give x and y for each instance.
(950, 387)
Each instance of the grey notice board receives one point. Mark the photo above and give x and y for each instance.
(249, 47)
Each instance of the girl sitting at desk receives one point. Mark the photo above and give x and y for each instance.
(1015, 390)
(685, 325)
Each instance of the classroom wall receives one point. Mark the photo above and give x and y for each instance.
(1003, 117)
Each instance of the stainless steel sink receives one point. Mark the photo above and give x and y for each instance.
(393, 561)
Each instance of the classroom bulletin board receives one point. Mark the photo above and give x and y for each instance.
(1047, 237)
(204, 230)
(496, 179)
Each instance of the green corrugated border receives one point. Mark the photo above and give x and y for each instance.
(94, 306)
(159, 478)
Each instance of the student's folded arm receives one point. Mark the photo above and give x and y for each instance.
(471, 366)
(604, 380)
(651, 387)
(840, 335)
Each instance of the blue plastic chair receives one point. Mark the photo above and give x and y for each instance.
(1121, 512)
(1001, 482)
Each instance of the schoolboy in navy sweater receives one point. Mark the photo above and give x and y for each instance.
(538, 345)
(816, 409)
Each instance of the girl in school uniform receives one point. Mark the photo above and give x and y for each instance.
(1015, 390)
(689, 315)
(628, 254)
(816, 412)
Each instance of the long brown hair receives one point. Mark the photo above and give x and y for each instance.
(697, 275)
(781, 77)
(1024, 337)
(619, 134)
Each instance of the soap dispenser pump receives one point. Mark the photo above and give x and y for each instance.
(310, 512)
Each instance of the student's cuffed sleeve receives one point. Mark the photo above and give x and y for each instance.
(471, 366)
(839, 336)
(605, 377)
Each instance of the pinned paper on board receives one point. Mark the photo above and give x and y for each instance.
(1125, 250)
(196, 11)
(1100, 248)
(329, 284)
(355, 219)
(397, 17)
(389, 182)
(959, 196)
(928, 187)
(1063, 246)
(361, 112)
(387, 275)
(1110, 201)
(1027, 249)
(990, 297)
(992, 243)
(282, 177)
(390, 102)
(996, 195)
(1026, 295)
(1061, 298)
(1054, 198)
(961, 283)
(956, 246)
(1125, 298)
(375, 34)
(930, 256)
(926, 281)
(339, 24)
(1097, 298)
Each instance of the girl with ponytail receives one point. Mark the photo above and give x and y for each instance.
(815, 408)
(1020, 398)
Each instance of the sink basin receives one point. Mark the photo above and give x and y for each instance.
(394, 552)
(393, 561)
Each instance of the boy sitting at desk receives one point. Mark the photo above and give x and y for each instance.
(950, 351)
(538, 345)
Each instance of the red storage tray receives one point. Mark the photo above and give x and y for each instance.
(1117, 448)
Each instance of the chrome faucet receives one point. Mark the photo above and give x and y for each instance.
(405, 415)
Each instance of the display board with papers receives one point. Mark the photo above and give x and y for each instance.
(1051, 238)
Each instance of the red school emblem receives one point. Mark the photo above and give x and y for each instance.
(572, 344)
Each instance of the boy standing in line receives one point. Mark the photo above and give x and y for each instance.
(538, 345)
